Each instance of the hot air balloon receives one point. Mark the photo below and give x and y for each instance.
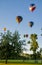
(4, 29)
(32, 7)
(26, 35)
(19, 19)
(30, 23)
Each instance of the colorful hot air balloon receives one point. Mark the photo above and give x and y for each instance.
(19, 19)
(30, 23)
(4, 29)
(32, 7)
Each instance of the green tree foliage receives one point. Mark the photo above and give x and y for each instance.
(38, 55)
(10, 46)
(5, 46)
(33, 43)
(16, 50)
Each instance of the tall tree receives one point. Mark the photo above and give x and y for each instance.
(16, 44)
(5, 45)
(33, 44)
(11, 45)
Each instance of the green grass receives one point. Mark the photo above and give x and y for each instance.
(22, 61)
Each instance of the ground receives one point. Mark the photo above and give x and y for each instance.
(18, 64)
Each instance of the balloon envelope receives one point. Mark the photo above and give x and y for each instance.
(19, 19)
(30, 24)
(32, 7)
(25, 35)
(4, 29)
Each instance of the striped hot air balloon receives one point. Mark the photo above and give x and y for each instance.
(32, 7)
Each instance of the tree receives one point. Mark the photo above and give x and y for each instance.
(11, 45)
(38, 55)
(5, 45)
(33, 44)
(16, 44)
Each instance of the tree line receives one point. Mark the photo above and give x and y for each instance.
(11, 46)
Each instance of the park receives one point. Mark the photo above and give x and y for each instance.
(20, 32)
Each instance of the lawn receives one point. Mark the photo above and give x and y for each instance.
(21, 62)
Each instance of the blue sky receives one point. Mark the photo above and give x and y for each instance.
(9, 9)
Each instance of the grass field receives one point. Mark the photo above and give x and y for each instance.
(22, 61)
(19, 64)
